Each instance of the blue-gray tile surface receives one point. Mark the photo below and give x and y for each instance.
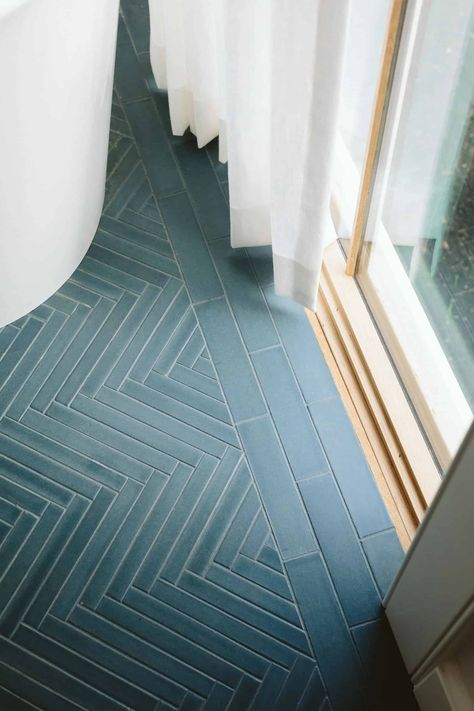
(186, 518)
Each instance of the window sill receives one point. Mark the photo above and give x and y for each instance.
(390, 435)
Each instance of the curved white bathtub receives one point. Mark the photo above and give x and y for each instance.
(56, 75)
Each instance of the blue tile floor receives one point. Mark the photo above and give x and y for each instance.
(186, 518)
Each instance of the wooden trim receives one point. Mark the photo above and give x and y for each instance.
(369, 438)
(382, 95)
(393, 442)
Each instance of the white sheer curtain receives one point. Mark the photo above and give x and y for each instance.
(266, 76)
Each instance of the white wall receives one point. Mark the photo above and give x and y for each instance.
(431, 604)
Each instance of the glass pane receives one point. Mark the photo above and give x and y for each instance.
(417, 266)
(365, 39)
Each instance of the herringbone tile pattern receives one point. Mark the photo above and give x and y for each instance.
(162, 483)
(138, 566)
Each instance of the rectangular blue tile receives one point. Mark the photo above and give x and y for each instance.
(148, 264)
(21, 565)
(314, 695)
(178, 657)
(244, 694)
(195, 631)
(96, 285)
(93, 552)
(304, 353)
(136, 252)
(218, 699)
(61, 303)
(160, 101)
(52, 583)
(118, 344)
(236, 584)
(196, 381)
(78, 293)
(26, 477)
(185, 393)
(102, 576)
(207, 497)
(191, 250)
(150, 209)
(350, 467)
(152, 526)
(72, 430)
(72, 355)
(15, 608)
(269, 689)
(207, 520)
(190, 703)
(155, 308)
(295, 685)
(92, 661)
(139, 197)
(161, 335)
(262, 262)
(268, 556)
(119, 148)
(57, 452)
(98, 266)
(43, 312)
(128, 77)
(31, 671)
(9, 700)
(125, 178)
(7, 334)
(262, 575)
(171, 436)
(8, 512)
(204, 190)
(244, 295)
(91, 353)
(385, 555)
(169, 536)
(249, 637)
(387, 682)
(277, 488)
(184, 416)
(230, 360)
(17, 535)
(226, 190)
(22, 497)
(27, 364)
(125, 630)
(231, 542)
(138, 22)
(148, 227)
(341, 549)
(154, 149)
(289, 412)
(328, 632)
(204, 366)
(27, 393)
(18, 347)
(245, 611)
(128, 436)
(194, 348)
(256, 535)
(138, 230)
(234, 479)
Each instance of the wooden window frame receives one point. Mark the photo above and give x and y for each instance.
(390, 433)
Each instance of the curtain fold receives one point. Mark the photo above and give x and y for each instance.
(264, 75)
